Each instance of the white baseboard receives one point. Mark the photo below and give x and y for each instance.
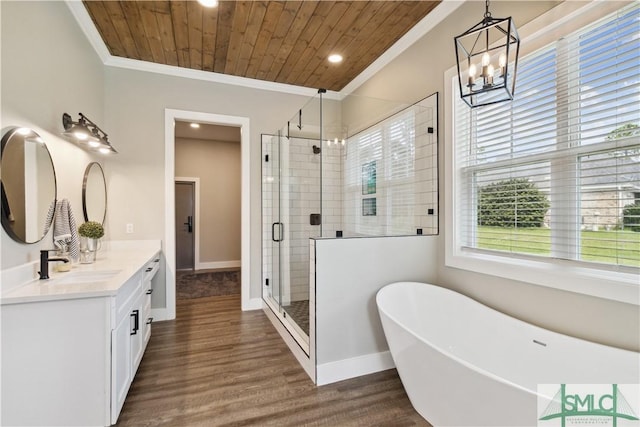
(160, 314)
(355, 367)
(217, 264)
(252, 304)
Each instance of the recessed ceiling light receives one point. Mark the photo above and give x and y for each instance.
(335, 58)
(208, 3)
(195, 125)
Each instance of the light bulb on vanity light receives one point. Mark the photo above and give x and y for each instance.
(81, 135)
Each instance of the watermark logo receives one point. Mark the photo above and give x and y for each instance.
(593, 405)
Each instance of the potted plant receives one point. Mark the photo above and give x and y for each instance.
(90, 233)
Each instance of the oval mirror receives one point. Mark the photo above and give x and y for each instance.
(94, 194)
(28, 185)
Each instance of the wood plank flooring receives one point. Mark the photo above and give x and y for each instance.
(217, 366)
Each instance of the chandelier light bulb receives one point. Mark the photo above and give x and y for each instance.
(472, 74)
(490, 71)
(486, 59)
(502, 61)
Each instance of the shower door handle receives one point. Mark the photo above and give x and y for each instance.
(280, 232)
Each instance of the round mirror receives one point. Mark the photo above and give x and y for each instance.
(28, 181)
(94, 194)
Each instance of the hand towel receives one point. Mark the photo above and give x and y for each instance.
(65, 231)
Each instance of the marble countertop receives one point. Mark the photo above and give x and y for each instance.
(121, 261)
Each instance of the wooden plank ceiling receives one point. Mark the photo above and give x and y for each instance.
(278, 41)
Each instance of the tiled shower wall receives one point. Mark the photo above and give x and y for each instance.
(300, 197)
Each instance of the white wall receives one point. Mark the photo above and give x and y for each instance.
(48, 68)
(349, 272)
(418, 72)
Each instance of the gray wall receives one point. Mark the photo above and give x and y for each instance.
(217, 164)
(48, 68)
(418, 72)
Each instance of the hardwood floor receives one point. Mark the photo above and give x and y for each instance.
(217, 366)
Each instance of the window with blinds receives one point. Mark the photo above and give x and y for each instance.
(556, 172)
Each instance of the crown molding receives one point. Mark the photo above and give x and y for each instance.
(83, 19)
(437, 15)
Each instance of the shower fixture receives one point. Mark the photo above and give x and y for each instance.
(316, 149)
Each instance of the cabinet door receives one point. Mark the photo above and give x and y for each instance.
(121, 372)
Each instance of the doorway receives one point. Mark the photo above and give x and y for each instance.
(171, 116)
(185, 221)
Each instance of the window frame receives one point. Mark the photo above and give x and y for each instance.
(580, 277)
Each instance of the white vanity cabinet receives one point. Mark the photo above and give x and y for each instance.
(131, 333)
(126, 345)
(69, 360)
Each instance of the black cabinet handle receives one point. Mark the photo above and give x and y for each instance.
(150, 291)
(136, 321)
(149, 269)
(149, 320)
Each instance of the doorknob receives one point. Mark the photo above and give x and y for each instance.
(189, 223)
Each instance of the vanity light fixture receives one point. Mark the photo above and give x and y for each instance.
(86, 134)
(490, 47)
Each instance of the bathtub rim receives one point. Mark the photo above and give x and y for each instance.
(464, 362)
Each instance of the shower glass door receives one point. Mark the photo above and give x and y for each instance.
(291, 174)
(272, 233)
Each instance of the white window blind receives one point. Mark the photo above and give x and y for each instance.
(556, 172)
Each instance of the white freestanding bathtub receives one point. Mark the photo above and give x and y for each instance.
(465, 364)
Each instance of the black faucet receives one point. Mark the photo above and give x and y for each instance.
(44, 263)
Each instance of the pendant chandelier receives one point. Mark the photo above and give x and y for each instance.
(487, 59)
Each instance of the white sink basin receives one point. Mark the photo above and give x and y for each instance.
(85, 277)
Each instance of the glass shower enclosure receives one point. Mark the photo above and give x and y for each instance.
(291, 207)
